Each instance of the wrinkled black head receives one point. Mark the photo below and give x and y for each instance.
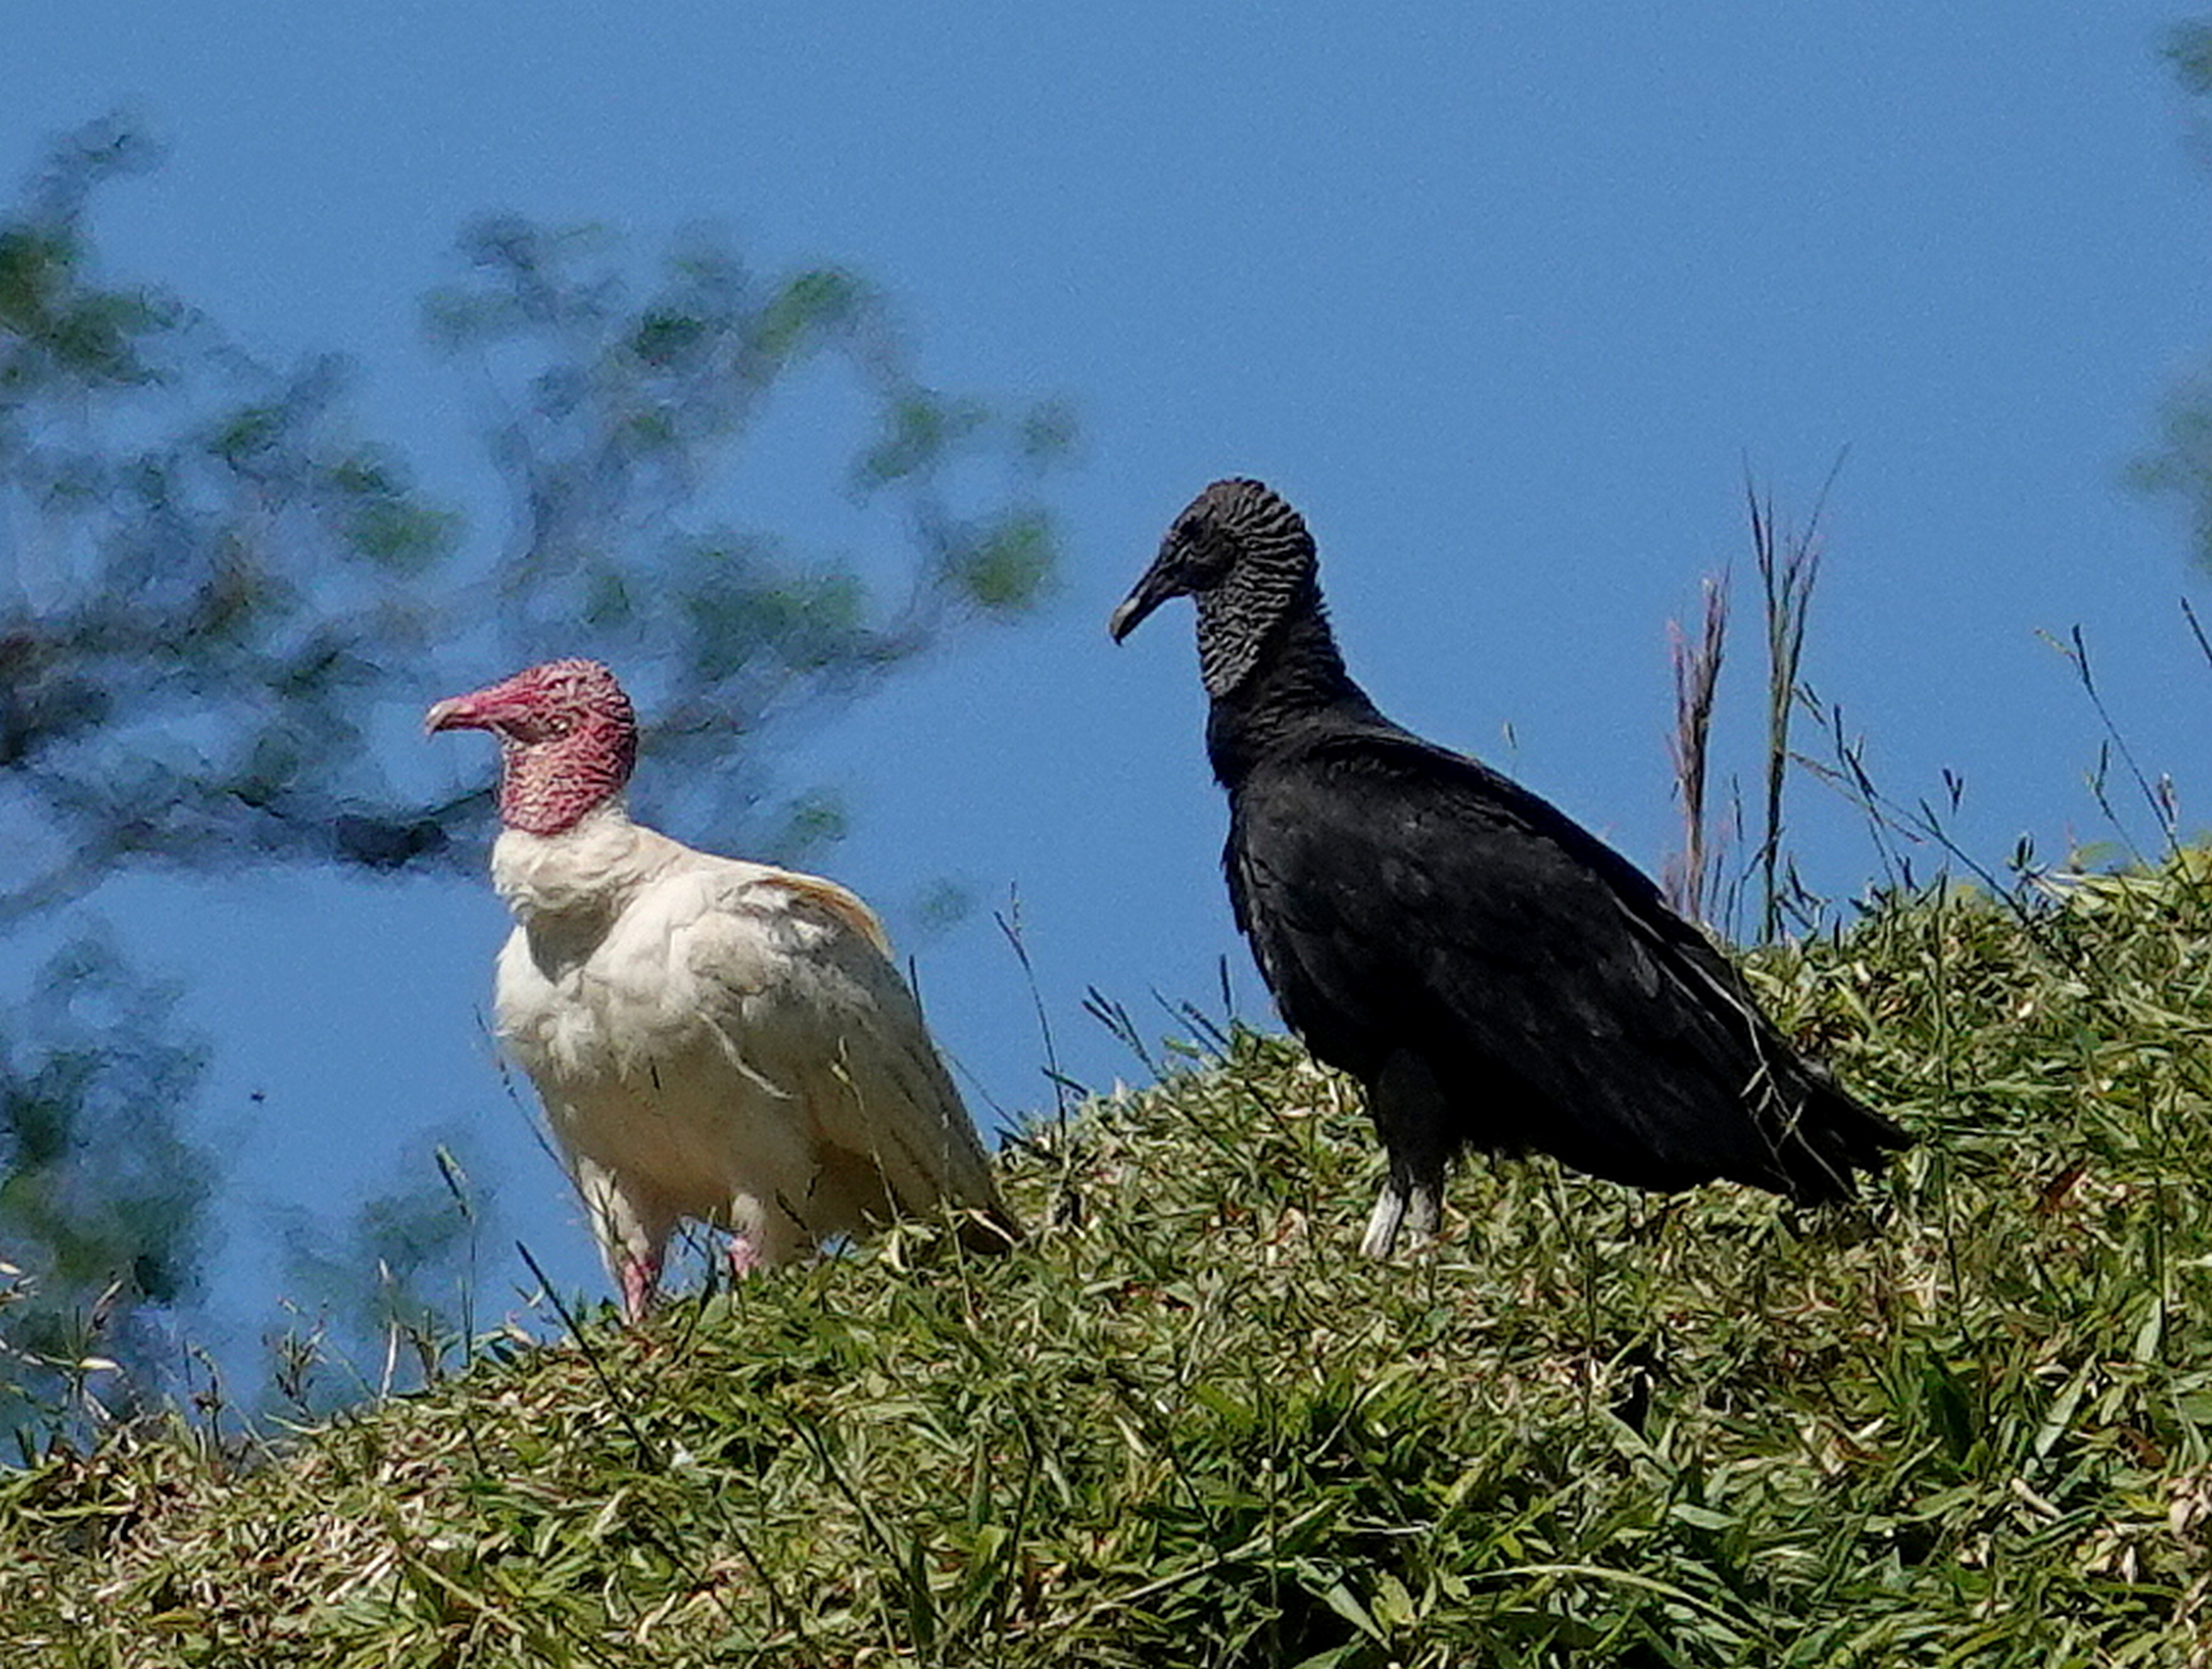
(1244, 555)
(1236, 526)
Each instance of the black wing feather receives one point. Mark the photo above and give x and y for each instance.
(1401, 897)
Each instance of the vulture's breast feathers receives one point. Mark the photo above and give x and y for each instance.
(637, 962)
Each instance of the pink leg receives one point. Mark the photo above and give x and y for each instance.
(743, 1255)
(631, 1224)
(640, 1275)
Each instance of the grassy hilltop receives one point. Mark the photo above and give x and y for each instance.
(1970, 1424)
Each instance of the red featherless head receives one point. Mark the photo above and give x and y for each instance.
(567, 736)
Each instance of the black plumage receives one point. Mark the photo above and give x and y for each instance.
(1493, 973)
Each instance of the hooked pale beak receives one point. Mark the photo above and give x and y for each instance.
(455, 713)
(488, 709)
(1155, 588)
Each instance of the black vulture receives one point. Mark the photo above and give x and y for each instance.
(1494, 975)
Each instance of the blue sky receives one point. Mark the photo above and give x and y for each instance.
(1505, 297)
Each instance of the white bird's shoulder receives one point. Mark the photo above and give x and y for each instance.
(670, 940)
(724, 886)
(742, 924)
(609, 876)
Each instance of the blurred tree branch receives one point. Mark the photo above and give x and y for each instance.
(216, 583)
(221, 606)
(2181, 463)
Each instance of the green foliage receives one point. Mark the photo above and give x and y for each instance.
(206, 549)
(53, 325)
(420, 1239)
(217, 594)
(619, 413)
(205, 597)
(2189, 53)
(2180, 465)
(1002, 567)
(1970, 1424)
(101, 1198)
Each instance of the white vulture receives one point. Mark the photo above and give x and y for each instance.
(711, 1038)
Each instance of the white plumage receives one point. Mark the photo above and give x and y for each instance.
(711, 1038)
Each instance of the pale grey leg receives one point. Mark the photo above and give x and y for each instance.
(1382, 1226)
(1425, 1213)
(1412, 1117)
(1420, 1212)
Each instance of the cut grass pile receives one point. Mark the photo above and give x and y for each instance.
(1970, 1424)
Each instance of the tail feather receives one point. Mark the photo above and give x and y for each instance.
(990, 1229)
(1832, 1136)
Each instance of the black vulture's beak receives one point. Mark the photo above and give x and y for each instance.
(1155, 588)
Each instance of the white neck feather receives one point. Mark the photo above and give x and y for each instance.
(585, 873)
